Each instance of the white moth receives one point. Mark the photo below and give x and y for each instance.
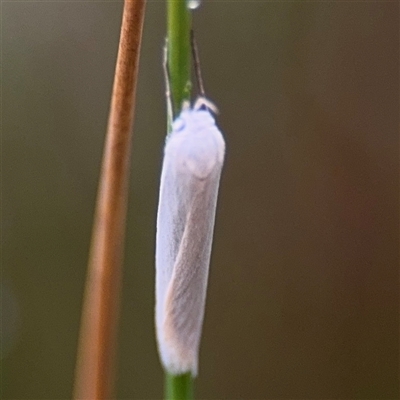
(193, 158)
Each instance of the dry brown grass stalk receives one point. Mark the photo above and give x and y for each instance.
(96, 353)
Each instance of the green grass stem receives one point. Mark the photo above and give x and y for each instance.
(178, 387)
(178, 30)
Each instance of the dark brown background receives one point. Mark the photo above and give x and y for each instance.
(303, 294)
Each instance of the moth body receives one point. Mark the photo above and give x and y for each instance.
(193, 159)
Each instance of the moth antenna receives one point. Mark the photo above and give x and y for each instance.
(196, 63)
(167, 84)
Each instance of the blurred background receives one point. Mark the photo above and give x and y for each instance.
(303, 298)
